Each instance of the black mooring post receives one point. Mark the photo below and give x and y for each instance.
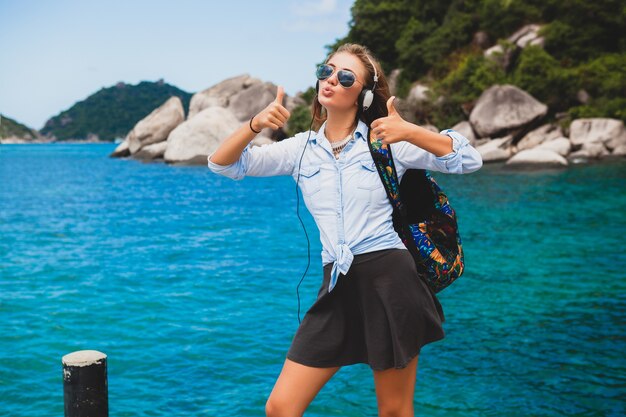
(85, 384)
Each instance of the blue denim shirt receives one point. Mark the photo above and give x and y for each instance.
(346, 196)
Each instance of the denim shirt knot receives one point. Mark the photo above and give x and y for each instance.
(341, 264)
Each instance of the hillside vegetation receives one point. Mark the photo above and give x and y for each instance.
(433, 41)
(11, 128)
(112, 112)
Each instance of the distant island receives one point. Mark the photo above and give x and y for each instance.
(12, 131)
(103, 116)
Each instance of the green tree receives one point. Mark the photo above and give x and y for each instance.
(583, 29)
(377, 24)
(541, 75)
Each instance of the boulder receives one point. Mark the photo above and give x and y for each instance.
(28, 138)
(595, 150)
(591, 150)
(538, 136)
(496, 149)
(392, 80)
(527, 35)
(415, 107)
(494, 51)
(291, 103)
(156, 126)
(480, 39)
(609, 132)
(219, 94)
(409, 112)
(536, 157)
(244, 95)
(153, 151)
(583, 96)
(121, 150)
(418, 94)
(246, 103)
(480, 142)
(561, 145)
(619, 151)
(193, 140)
(13, 139)
(465, 128)
(503, 53)
(505, 108)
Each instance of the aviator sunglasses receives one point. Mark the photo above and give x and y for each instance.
(345, 77)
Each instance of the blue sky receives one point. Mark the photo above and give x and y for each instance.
(55, 53)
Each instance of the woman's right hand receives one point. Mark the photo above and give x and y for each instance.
(274, 115)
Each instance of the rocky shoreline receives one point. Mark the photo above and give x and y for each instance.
(166, 135)
(14, 140)
(505, 124)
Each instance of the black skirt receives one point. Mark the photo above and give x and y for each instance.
(381, 313)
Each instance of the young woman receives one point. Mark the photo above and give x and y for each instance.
(372, 306)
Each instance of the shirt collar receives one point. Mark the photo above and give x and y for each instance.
(360, 133)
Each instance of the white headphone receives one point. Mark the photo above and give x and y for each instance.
(366, 97)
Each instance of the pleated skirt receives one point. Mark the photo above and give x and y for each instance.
(380, 313)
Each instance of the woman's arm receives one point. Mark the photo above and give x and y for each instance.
(230, 150)
(273, 116)
(463, 158)
(236, 159)
(277, 158)
(417, 147)
(433, 142)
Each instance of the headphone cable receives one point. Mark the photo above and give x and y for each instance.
(308, 243)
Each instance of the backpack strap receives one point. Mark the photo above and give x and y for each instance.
(381, 154)
(383, 159)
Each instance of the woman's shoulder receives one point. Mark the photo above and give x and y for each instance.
(307, 133)
(289, 144)
(302, 137)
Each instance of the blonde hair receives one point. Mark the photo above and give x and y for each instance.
(378, 108)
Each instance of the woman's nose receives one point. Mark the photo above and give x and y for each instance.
(333, 78)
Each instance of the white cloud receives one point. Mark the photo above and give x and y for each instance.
(313, 8)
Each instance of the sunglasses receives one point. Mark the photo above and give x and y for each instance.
(345, 77)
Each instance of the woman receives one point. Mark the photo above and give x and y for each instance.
(372, 306)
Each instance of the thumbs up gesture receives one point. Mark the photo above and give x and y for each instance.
(274, 115)
(393, 128)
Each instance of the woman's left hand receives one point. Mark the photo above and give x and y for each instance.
(393, 128)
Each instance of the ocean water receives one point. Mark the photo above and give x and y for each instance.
(187, 281)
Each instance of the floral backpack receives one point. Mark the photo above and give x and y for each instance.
(423, 218)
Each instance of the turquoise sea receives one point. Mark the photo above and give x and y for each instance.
(187, 281)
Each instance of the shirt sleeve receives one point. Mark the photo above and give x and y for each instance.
(262, 161)
(463, 159)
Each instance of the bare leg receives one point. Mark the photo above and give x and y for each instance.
(296, 386)
(395, 389)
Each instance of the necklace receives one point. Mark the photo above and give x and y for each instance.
(339, 145)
